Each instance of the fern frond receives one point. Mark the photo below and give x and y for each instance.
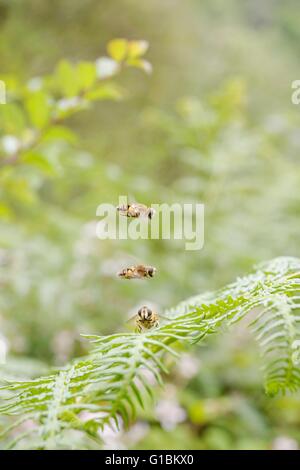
(114, 379)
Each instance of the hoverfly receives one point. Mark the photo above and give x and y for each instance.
(137, 272)
(146, 319)
(136, 210)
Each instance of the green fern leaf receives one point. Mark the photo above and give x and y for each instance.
(113, 381)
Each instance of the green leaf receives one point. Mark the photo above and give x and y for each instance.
(117, 49)
(38, 109)
(137, 48)
(12, 118)
(60, 133)
(5, 212)
(67, 79)
(86, 74)
(112, 378)
(39, 161)
(104, 92)
(140, 64)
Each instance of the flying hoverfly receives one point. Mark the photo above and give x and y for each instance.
(139, 271)
(136, 210)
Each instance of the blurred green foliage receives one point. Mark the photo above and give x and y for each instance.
(213, 123)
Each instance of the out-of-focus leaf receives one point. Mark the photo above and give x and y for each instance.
(11, 82)
(39, 161)
(38, 108)
(140, 64)
(66, 78)
(19, 188)
(5, 212)
(108, 91)
(231, 99)
(60, 133)
(86, 74)
(137, 48)
(117, 49)
(12, 119)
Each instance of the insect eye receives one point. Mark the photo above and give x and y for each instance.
(149, 311)
(140, 312)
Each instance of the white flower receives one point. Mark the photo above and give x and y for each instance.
(69, 103)
(35, 84)
(169, 413)
(106, 67)
(10, 144)
(188, 366)
(136, 433)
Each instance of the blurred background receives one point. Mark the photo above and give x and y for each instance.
(213, 123)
